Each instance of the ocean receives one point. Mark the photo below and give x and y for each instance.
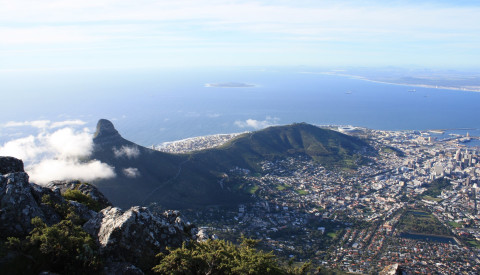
(158, 105)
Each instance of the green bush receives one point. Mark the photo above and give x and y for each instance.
(64, 247)
(76, 195)
(222, 257)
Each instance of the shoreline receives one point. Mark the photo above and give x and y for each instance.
(398, 84)
(223, 138)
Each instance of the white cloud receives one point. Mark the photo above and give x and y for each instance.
(41, 124)
(67, 143)
(67, 123)
(44, 35)
(56, 155)
(198, 31)
(56, 169)
(257, 124)
(26, 148)
(63, 143)
(324, 20)
(131, 172)
(127, 151)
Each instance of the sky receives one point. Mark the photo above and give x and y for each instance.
(86, 34)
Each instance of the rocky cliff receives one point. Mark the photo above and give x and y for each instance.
(137, 234)
(126, 238)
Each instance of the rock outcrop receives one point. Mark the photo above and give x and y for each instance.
(10, 165)
(127, 239)
(17, 205)
(87, 189)
(136, 234)
(20, 200)
(105, 132)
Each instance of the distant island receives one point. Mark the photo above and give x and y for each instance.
(230, 85)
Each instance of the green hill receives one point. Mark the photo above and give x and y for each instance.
(329, 148)
(190, 180)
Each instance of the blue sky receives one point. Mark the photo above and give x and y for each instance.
(84, 34)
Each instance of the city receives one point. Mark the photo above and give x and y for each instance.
(415, 204)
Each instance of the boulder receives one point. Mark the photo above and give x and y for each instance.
(10, 165)
(137, 234)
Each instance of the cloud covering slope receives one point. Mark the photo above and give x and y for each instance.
(56, 152)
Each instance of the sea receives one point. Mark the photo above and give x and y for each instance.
(152, 106)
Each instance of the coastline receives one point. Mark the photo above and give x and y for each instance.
(399, 84)
(210, 141)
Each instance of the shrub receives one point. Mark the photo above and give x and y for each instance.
(63, 247)
(76, 195)
(221, 257)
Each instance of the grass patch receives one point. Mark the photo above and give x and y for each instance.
(430, 198)
(455, 224)
(333, 235)
(421, 222)
(392, 150)
(474, 243)
(281, 187)
(252, 189)
(301, 192)
(434, 189)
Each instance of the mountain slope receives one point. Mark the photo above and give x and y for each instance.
(327, 147)
(189, 180)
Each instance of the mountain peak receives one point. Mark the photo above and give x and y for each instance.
(105, 129)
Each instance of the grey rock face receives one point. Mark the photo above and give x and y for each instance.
(83, 212)
(202, 235)
(63, 186)
(21, 201)
(127, 238)
(10, 165)
(122, 268)
(17, 205)
(136, 233)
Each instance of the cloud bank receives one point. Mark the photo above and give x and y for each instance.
(257, 124)
(56, 154)
(54, 169)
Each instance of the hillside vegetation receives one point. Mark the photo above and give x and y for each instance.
(327, 147)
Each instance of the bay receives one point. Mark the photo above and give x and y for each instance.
(151, 106)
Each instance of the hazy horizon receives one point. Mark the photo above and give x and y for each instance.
(60, 35)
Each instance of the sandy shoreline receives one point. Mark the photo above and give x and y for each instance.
(400, 84)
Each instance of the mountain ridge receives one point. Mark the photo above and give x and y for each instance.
(193, 179)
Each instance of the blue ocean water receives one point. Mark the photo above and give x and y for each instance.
(153, 106)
